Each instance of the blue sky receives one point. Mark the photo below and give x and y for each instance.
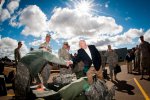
(99, 22)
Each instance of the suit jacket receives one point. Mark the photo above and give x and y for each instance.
(83, 56)
(128, 58)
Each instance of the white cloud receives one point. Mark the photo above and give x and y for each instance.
(1, 4)
(73, 27)
(127, 37)
(13, 21)
(13, 5)
(65, 21)
(133, 33)
(36, 42)
(4, 15)
(147, 35)
(7, 46)
(34, 21)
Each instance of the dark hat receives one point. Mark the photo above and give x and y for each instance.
(141, 36)
(65, 43)
(48, 35)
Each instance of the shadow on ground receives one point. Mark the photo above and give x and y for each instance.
(123, 86)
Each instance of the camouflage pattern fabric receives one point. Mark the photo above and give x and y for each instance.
(29, 66)
(22, 82)
(46, 46)
(65, 70)
(46, 73)
(64, 79)
(145, 55)
(65, 55)
(99, 91)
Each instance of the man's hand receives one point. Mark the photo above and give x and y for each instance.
(69, 62)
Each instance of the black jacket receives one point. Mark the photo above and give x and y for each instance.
(128, 58)
(83, 56)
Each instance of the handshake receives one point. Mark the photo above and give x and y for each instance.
(68, 62)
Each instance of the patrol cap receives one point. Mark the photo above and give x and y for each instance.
(48, 35)
(141, 36)
(65, 43)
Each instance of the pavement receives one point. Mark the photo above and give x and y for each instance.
(128, 86)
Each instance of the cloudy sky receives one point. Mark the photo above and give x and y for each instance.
(99, 22)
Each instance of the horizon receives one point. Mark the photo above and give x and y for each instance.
(99, 22)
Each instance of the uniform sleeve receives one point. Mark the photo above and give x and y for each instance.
(115, 57)
(41, 45)
(15, 55)
(59, 53)
(52, 58)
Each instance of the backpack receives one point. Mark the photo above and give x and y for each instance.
(99, 91)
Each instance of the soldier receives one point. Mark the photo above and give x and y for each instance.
(46, 45)
(47, 69)
(144, 48)
(112, 60)
(64, 54)
(29, 67)
(17, 54)
(137, 59)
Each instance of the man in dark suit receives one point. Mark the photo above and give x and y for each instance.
(91, 59)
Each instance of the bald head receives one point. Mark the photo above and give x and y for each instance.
(82, 44)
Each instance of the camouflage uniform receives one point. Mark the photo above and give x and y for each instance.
(144, 55)
(29, 67)
(46, 46)
(112, 60)
(47, 67)
(17, 55)
(64, 54)
(137, 60)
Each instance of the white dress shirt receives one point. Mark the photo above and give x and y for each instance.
(87, 50)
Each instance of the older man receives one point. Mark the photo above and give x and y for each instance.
(144, 48)
(91, 59)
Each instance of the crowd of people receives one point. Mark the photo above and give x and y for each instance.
(138, 59)
(35, 69)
